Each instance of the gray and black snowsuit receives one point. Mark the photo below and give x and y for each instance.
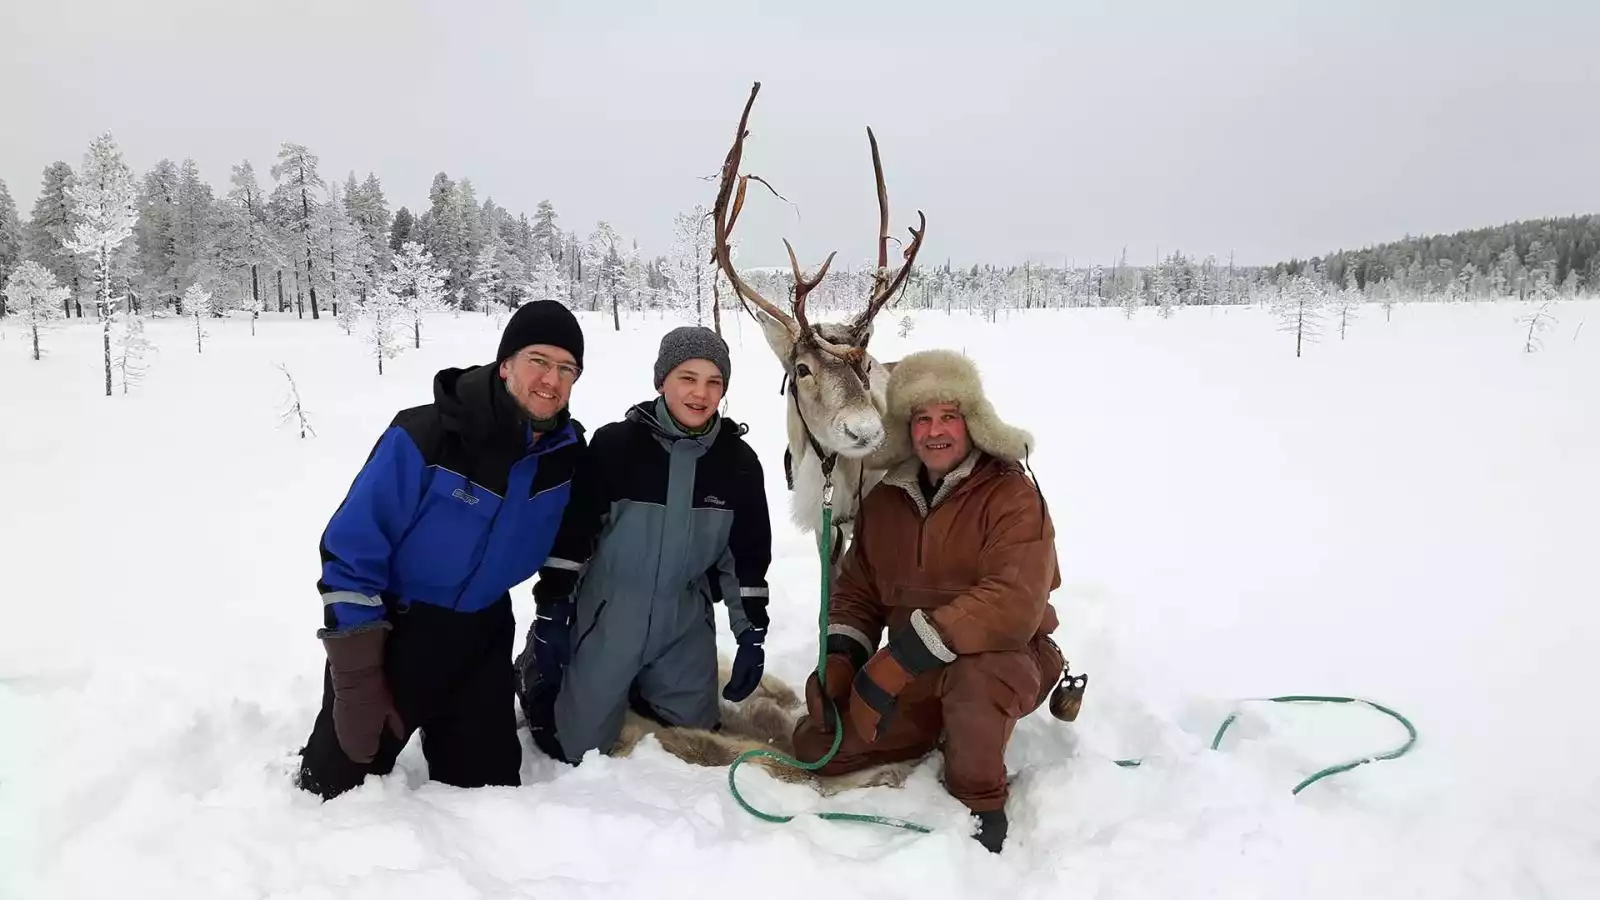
(676, 523)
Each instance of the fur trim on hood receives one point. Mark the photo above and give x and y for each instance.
(944, 376)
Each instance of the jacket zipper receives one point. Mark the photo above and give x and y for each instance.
(922, 523)
(598, 612)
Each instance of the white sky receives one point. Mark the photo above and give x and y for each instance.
(1051, 130)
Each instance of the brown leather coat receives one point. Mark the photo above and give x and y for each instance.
(982, 560)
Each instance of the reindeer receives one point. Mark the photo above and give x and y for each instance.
(835, 388)
(835, 396)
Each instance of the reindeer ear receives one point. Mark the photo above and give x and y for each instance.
(779, 336)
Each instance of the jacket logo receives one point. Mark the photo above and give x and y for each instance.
(714, 500)
(464, 497)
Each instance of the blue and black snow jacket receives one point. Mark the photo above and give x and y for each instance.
(455, 505)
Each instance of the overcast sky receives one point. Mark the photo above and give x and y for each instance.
(1060, 130)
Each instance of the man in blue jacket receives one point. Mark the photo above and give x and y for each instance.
(459, 501)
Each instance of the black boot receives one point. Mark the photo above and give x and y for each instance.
(991, 829)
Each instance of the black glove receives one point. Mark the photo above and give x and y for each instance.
(552, 634)
(362, 703)
(748, 663)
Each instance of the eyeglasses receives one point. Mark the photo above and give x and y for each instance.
(567, 372)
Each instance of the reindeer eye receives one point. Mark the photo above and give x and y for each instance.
(801, 370)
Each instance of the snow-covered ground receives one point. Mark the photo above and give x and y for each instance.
(1408, 515)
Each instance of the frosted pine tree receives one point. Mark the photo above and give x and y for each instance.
(50, 228)
(344, 250)
(247, 234)
(548, 282)
(689, 266)
(132, 345)
(10, 239)
(194, 225)
(34, 299)
(292, 204)
(1347, 301)
(487, 284)
(1164, 288)
(350, 313)
(369, 211)
(545, 236)
(197, 305)
(103, 198)
(384, 313)
(1298, 307)
(418, 285)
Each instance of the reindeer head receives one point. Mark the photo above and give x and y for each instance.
(831, 374)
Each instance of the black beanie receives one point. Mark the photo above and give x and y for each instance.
(542, 322)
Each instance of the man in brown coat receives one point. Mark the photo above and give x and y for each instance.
(954, 559)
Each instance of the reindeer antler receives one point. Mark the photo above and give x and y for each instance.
(884, 284)
(723, 221)
(803, 286)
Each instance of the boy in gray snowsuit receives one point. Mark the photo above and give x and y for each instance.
(668, 516)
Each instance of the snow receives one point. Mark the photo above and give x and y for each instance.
(1407, 515)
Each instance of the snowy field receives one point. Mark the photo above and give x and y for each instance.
(1409, 515)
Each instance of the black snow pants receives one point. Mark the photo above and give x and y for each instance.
(450, 673)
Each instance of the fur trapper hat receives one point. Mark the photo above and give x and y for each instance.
(944, 376)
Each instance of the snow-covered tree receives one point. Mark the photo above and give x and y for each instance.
(418, 286)
(446, 233)
(343, 251)
(1347, 302)
(690, 266)
(132, 346)
(245, 241)
(155, 235)
(1298, 307)
(1164, 287)
(103, 198)
(369, 212)
(292, 203)
(50, 229)
(197, 303)
(10, 238)
(384, 313)
(546, 237)
(402, 229)
(350, 313)
(490, 283)
(34, 299)
(547, 282)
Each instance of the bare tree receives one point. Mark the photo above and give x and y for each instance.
(1538, 322)
(295, 410)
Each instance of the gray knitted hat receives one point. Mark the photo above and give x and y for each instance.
(680, 345)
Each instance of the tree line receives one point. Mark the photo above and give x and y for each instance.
(1527, 259)
(316, 245)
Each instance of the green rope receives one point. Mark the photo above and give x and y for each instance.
(825, 552)
(1396, 753)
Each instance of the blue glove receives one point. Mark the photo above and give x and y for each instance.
(552, 635)
(748, 664)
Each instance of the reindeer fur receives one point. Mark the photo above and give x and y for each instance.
(763, 721)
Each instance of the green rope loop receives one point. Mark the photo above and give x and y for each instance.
(1396, 753)
(825, 552)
